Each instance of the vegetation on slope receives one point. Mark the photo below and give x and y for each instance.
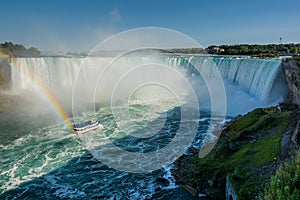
(285, 184)
(19, 50)
(248, 151)
(187, 50)
(262, 51)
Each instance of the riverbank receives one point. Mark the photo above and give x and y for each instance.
(249, 151)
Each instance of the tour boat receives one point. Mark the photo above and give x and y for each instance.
(86, 126)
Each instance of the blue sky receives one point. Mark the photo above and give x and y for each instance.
(79, 25)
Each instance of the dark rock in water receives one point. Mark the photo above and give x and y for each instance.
(157, 189)
(163, 181)
(194, 150)
(97, 197)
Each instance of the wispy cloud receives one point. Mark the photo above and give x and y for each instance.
(115, 15)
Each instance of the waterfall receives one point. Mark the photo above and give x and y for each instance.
(53, 72)
(260, 79)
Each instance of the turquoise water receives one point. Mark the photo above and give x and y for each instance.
(41, 159)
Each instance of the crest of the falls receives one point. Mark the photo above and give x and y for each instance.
(261, 79)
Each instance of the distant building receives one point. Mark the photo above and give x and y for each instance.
(215, 50)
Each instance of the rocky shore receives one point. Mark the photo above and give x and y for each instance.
(252, 155)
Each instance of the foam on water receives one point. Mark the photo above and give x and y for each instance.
(33, 155)
(53, 163)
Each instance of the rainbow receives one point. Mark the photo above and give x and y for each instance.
(46, 95)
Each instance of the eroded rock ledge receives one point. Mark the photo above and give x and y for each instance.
(292, 74)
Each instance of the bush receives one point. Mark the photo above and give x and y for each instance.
(18, 50)
(285, 184)
(262, 51)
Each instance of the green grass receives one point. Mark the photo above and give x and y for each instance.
(246, 121)
(256, 122)
(251, 156)
(247, 183)
(285, 184)
(259, 153)
(241, 163)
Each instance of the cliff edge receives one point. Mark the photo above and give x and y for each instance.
(292, 73)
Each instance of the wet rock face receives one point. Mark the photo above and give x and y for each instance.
(5, 74)
(292, 72)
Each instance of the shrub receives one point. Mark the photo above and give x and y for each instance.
(285, 184)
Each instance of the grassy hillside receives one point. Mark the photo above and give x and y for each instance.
(285, 184)
(249, 151)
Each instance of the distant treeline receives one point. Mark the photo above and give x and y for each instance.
(18, 50)
(269, 50)
(187, 50)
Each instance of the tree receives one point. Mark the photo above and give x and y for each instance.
(19, 50)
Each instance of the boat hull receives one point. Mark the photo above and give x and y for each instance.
(83, 129)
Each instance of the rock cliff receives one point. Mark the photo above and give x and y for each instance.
(292, 73)
(5, 74)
